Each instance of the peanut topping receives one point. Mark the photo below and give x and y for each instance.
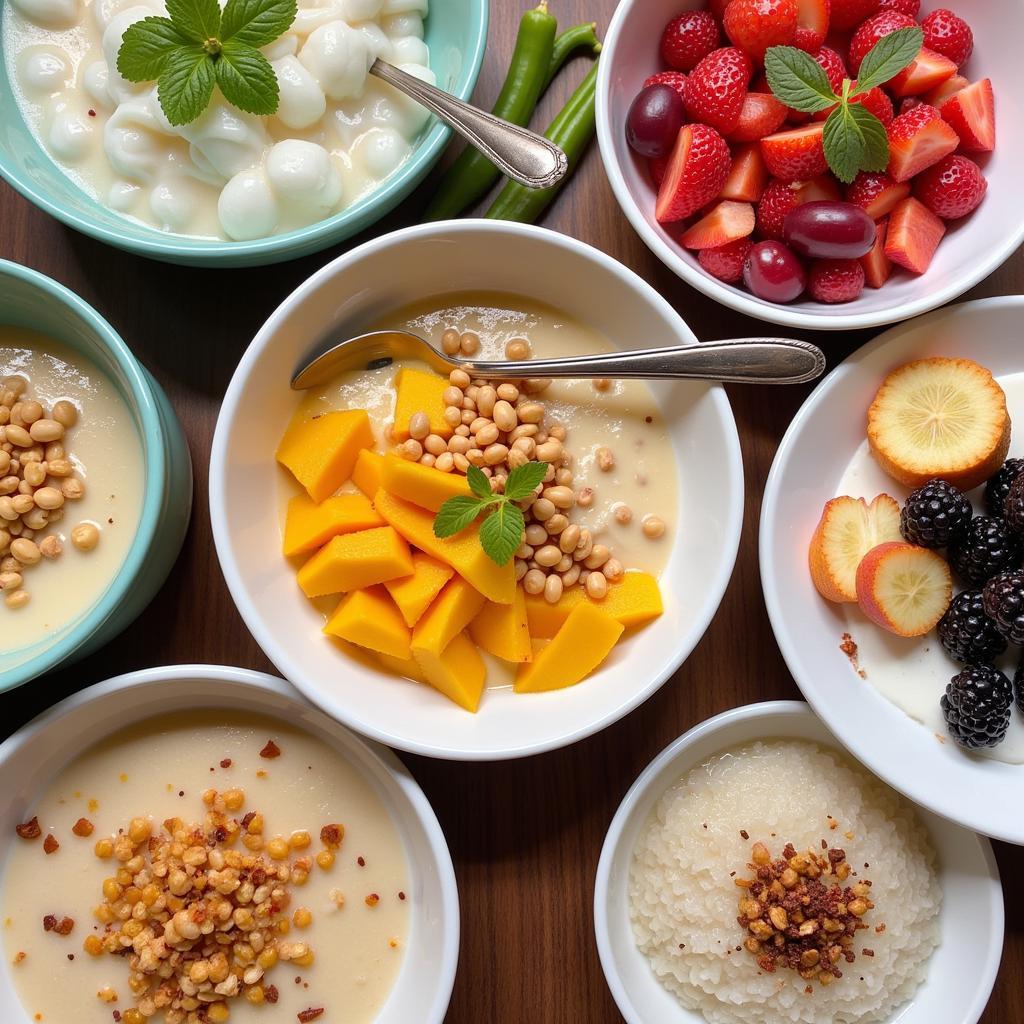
(271, 750)
(30, 829)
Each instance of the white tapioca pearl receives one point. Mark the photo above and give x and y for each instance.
(380, 151)
(70, 131)
(95, 82)
(360, 10)
(174, 201)
(284, 46)
(131, 140)
(339, 58)
(43, 70)
(123, 196)
(410, 50)
(228, 139)
(52, 13)
(404, 6)
(398, 25)
(377, 42)
(248, 207)
(303, 174)
(302, 102)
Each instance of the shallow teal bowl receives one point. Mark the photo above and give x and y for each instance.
(28, 299)
(455, 31)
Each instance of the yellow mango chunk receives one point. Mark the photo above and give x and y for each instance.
(634, 600)
(322, 451)
(369, 618)
(367, 472)
(462, 552)
(422, 485)
(458, 671)
(584, 641)
(308, 525)
(356, 560)
(407, 667)
(454, 609)
(419, 391)
(413, 593)
(503, 630)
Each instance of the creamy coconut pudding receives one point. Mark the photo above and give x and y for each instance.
(336, 135)
(247, 869)
(70, 488)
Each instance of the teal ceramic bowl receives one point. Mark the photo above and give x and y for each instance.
(28, 299)
(455, 31)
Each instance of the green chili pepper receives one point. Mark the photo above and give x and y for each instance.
(567, 43)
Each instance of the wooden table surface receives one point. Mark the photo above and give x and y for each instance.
(525, 835)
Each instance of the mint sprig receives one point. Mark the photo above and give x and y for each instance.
(199, 46)
(854, 139)
(501, 532)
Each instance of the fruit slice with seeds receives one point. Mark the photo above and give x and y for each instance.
(903, 588)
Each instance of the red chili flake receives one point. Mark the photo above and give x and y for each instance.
(49, 923)
(83, 827)
(50, 844)
(311, 1014)
(30, 830)
(361, 861)
(372, 900)
(744, 834)
(270, 994)
(92, 113)
(401, 895)
(226, 763)
(271, 750)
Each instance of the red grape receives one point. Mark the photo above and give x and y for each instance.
(654, 120)
(773, 273)
(829, 230)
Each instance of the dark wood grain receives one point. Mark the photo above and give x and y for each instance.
(525, 835)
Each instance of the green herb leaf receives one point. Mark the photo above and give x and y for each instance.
(199, 20)
(855, 140)
(257, 22)
(888, 57)
(186, 84)
(501, 532)
(456, 514)
(478, 482)
(146, 47)
(798, 80)
(523, 479)
(246, 78)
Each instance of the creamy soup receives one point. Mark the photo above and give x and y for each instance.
(104, 453)
(336, 136)
(358, 906)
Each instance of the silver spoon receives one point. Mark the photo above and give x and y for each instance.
(748, 361)
(521, 154)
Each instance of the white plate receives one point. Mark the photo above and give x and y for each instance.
(37, 752)
(822, 439)
(963, 968)
(388, 273)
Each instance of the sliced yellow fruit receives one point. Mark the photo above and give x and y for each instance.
(455, 608)
(309, 525)
(503, 629)
(634, 600)
(356, 560)
(422, 485)
(321, 452)
(458, 671)
(419, 391)
(413, 593)
(370, 619)
(367, 472)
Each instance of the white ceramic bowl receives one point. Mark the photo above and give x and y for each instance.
(37, 752)
(963, 968)
(973, 247)
(812, 458)
(390, 272)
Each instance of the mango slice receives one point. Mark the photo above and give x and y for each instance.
(413, 593)
(419, 391)
(309, 526)
(503, 630)
(369, 618)
(455, 608)
(458, 671)
(634, 600)
(584, 641)
(407, 667)
(462, 552)
(422, 485)
(322, 451)
(367, 472)
(356, 560)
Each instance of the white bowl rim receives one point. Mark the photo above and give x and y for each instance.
(787, 316)
(277, 653)
(401, 776)
(720, 723)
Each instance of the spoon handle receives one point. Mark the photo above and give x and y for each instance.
(748, 361)
(521, 154)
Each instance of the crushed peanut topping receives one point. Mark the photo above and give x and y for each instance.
(50, 844)
(310, 1014)
(62, 925)
(83, 827)
(332, 835)
(30, 829)
(271, 750)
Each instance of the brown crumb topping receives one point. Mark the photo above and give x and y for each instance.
(849, 647)
(50, 844)
(61, 925)
(271, 750)
(332, 835)
(30, 829)
(83, 827)
(310, 1014)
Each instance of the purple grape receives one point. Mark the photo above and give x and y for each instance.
(827, 230)
(654, 120)
(773, 273)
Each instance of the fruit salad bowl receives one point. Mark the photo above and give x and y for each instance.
(973, 246)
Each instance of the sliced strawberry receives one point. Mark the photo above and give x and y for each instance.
(878, 26)
(877, 266)
(697, 169)
(908, 103)
(755, 25)
(657, 165)
(949, 35)
(726, 261)
(747, 176)
(972, 115)
(726, 223)
(716, 88)
(848, 14)
(780, 197)
(941, 93)
(817, 189)
(952, 188)
(674, 79)
(688, 39)
(760, 115)
(913, 236)
(911, 8)
(717, 8)
(876, 193)
(811, 24)
(918, 139)
(797, 154)
(928, 71)
(834, 281)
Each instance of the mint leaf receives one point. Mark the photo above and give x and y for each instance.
(246, 78)
(257, 22)
(186, 84)
(855, 140)
(456, 514)
(199, 20)
(797, 79)
(888, 57)
(523, 479)
(501, 532)
(146, 47)
(479, 483)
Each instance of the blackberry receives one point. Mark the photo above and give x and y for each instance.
(1013, 506)
(986, 548)
(1018, 686)
(1003, 600)
(935, 515)
(976, 706)
(999, 486)
(967, 633)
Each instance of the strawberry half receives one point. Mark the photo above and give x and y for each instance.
(696, 171)
(760, 115)
(747, 176)
(913, 236)
(877, 266)
(952, 188)
(941, 93)
(949, 35)
(878, 26)
(811, 25)
(918, 139)
(726, 261)
(727, 222)
(797, 154)
(928, 71)
(716, 88)
(688, 39)
(755, 25)
(876, 193)
(971, 113)
(848, 14)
